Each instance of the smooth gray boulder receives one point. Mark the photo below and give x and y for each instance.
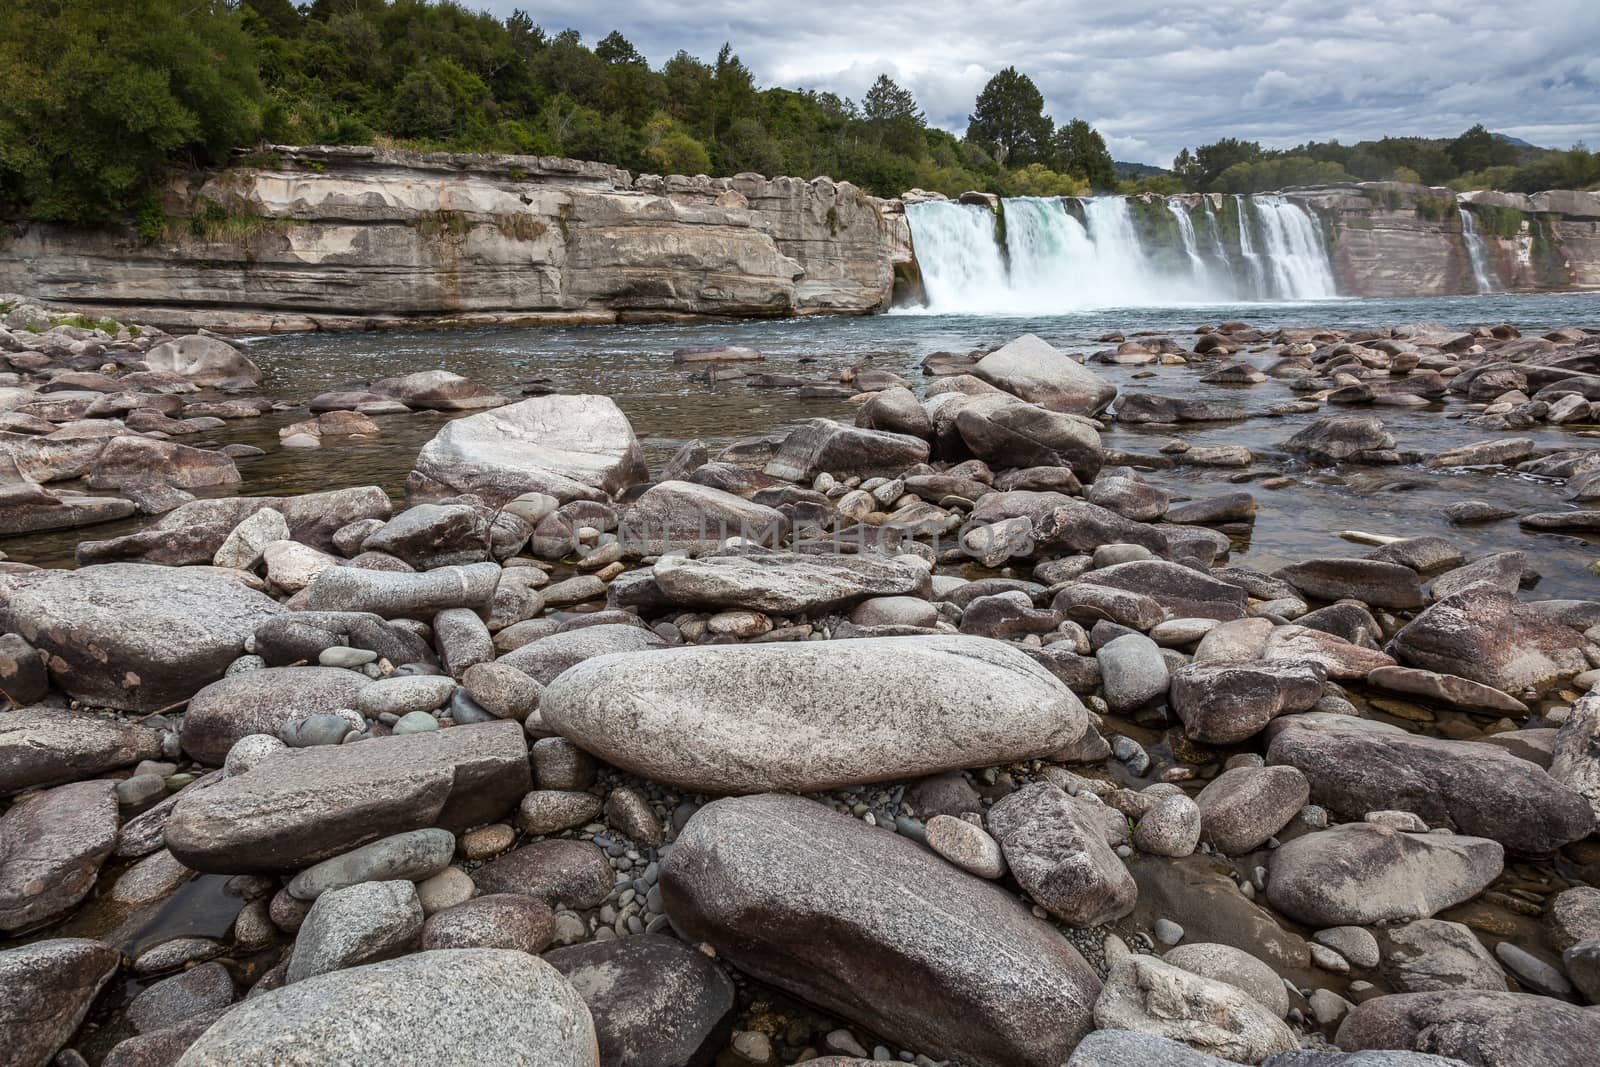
(545, 659)
(1146, 995)
(569, 447)
(824, 446)
(355, 924)
(1225, 703)
(1224, 963)
(262, 702)
(46, 988)
(1482, 1028)
(813, 715)
(1431, 954)
(1034, 370)
(1374, 582)
(655, 1001)
(1133, 672)
(1487, 635)
(204, 360)
(1242, 807)
(785, 583)
(398, 594)
(132, 635)
(1357, 874)
(413, 856)
(1183, 591)
(1007, 432)
(957, 967)
(51, 847)
(1467, 786)
(300, 806)
(676, 516)
(1058, 852)
(455, 1006)
(48, 746)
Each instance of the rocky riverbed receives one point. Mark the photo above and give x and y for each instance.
(945, 731)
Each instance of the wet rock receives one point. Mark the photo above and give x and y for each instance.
(461, 1006)
(499, 920)
(1467, 786)
(895, 410)
(1078, 526)
(413, 856)
(304, 636)
(1226, 703)
(752, 718)
(1362, 873)
(1344, 438)
(46, 988)
(824, 446)
(1059, 854)
(51, 847)
(1145, 995)
(48, 746)
(438, 390)
(1242, 807)
(1129, 496)
(1182, 591)
(784, 583)
(1034, 370)
(655, 1001)
(1210, 908)
(1150, 407)
(128, 461)
(433, 535)
(262, 702)
(133, 636)
(569, 447)
(1471, 512)
(742, 877)
(560, 872)
(357, 924)
(1492, 1029)
(1487, 635)
(305, 805)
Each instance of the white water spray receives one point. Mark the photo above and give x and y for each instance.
(1477, 254)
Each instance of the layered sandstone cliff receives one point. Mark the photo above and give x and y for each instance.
(299, 238)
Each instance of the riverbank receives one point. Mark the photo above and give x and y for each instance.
(1094, 707)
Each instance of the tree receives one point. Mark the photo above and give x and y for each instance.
(615, 48)
(1202, 169)
(1008, 120)
(892, 116)
(1478, 149)
(96, 98)
(1081, 151)
(670, 148)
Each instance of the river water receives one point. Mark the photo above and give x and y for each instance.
(633, 364)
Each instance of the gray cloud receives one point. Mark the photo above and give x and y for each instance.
(1154, 75)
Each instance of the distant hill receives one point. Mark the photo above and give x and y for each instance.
(1519, 142)
(1136, 170)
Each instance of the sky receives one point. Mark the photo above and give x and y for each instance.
(1157, 76)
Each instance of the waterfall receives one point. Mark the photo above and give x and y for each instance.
(1296, 254)
(1191, 244)
(1476, 252)
(956, 250)
(1060, 256)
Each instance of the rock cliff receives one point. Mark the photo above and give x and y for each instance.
(303, 238)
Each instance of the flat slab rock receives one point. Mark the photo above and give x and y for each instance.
(479, 1005)
(785, 583)
(1503, 1029)
(804, 716)
(46, 988)
(47, 746)
(131, 635)
(892, 937)
(301, 806)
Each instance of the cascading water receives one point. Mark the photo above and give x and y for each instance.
(1477, 254)
(1296, 255)
(1068, 255)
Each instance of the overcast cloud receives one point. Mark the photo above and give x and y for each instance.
(1155, 76)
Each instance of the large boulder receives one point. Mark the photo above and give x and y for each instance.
(1466, 786)
(132, 635)
(478, 1005)
(678, 516)
(822, 445)
(1487, 635)
(812, 715)
(655, 1001)
(791, 893)
(1485, 1029)
(262, 702)
(1344, 438)
(439, 390)
(1149, 996)
(1183, 591)
(544, 660)
(785, 583)
(1361, 873)
(1431, 954)
(51, 847)
(1242, 807)
(133, 462)
(300, 806)
(570, 447)
(1033, 369)
(47, 746)
(46, 989)
(1058, 852)
(1225, 703)
(1373, 582)
(1007, 432)
(204, 360)
(401, 594)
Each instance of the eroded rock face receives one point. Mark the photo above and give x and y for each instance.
(754, 718)
(1362, 873)
(1499, 1029)
(45, 991)
(448, 1006)
(134, 636)
(571, 447)
(960, 969)
(300, 806)
(1467, 786)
